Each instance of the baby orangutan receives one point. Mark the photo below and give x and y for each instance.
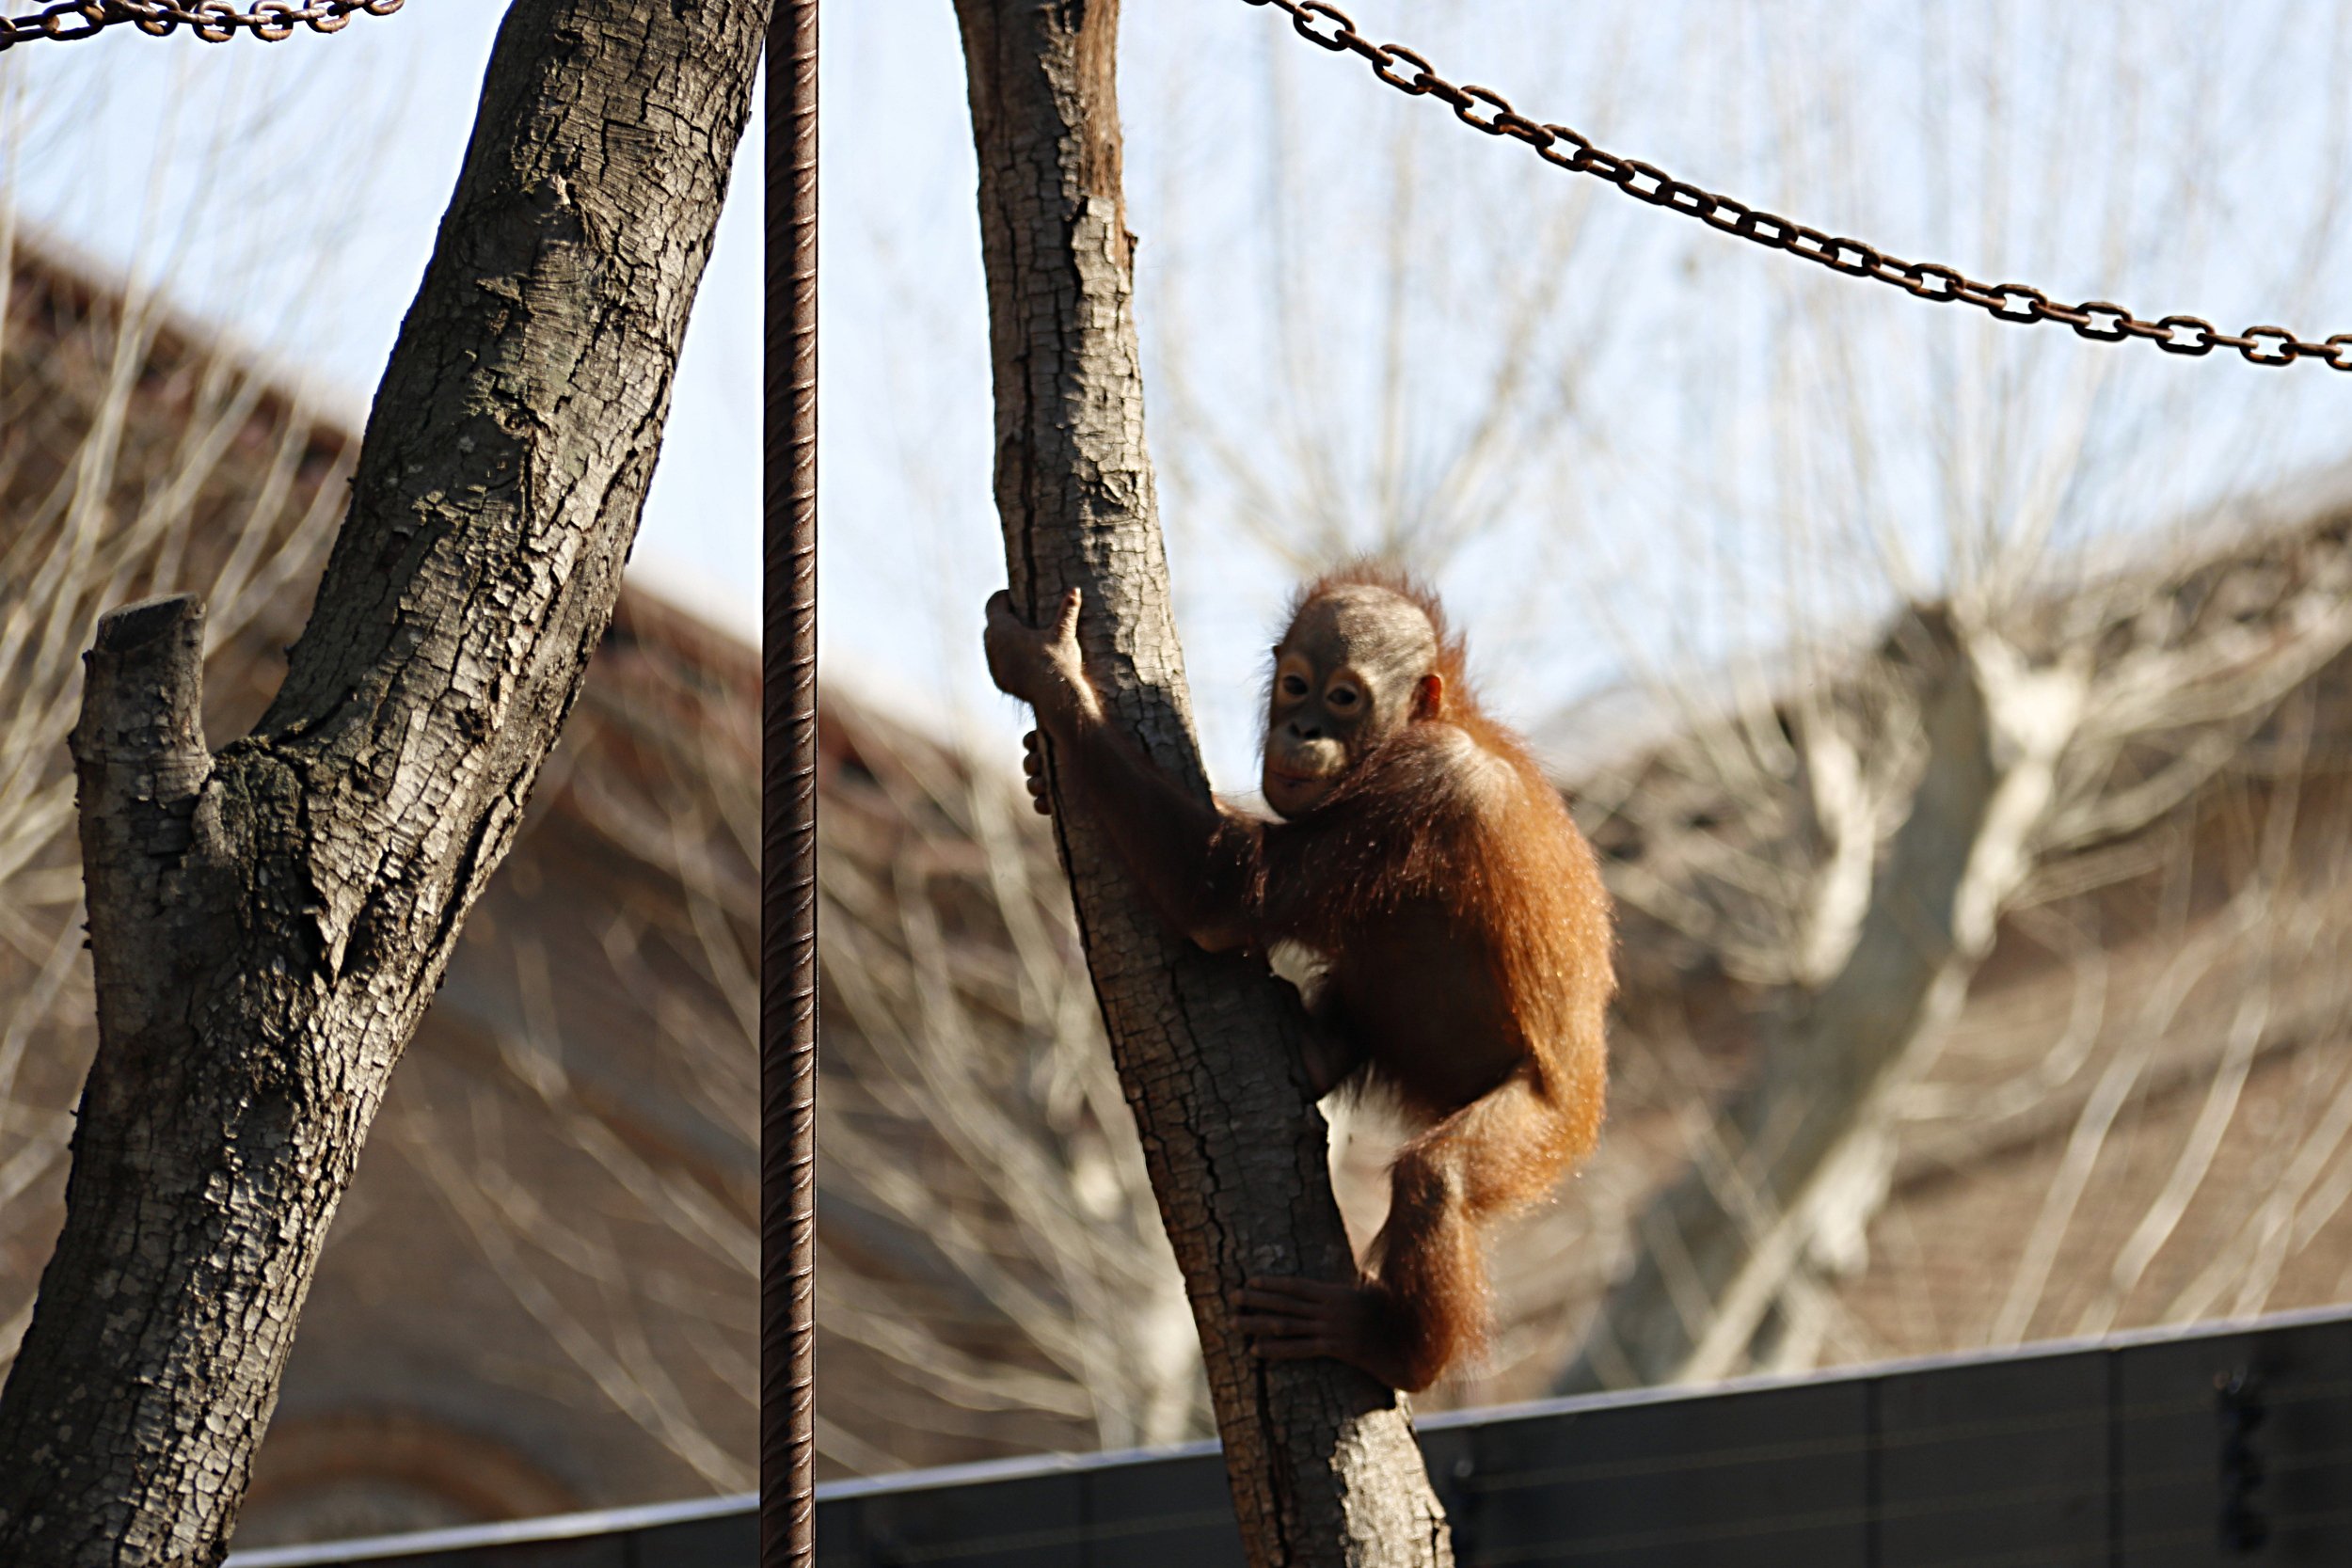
(1457, 912)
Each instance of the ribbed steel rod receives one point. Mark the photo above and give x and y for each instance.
(787, 840)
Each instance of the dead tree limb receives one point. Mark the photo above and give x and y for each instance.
(269, 921)
(1323, 1464)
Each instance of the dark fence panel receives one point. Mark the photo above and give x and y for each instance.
(1758, 1476)
(2176, 1489)
(2160, 1451)
(2000, 1461)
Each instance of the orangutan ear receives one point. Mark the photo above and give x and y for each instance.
(1429, 697)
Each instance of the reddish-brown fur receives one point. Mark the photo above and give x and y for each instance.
(1464, 930)
(1416, 821)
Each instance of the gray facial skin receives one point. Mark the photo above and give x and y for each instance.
(1346, 676)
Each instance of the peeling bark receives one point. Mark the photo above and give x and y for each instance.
(1323, 1464)
(1798, 1151)
(268, 922)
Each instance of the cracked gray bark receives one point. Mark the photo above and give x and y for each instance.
(268, 922)
(1323, 1463)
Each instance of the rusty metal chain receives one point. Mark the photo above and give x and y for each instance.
(214, 20)
(1484, 109)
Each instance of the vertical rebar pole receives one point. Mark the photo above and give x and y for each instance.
(787, 840)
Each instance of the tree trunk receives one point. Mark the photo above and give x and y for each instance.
(1323, 1464)
(268, 922)
(1714, 1250)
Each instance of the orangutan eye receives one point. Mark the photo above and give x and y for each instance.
(1343, 696)
(1293, 686)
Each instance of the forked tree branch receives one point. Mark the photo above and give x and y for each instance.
(269, 922)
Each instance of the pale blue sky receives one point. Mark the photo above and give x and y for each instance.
(1705, 444)
(328, 159)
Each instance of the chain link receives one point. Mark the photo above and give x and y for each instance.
(214, 20)
(1484, 109)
